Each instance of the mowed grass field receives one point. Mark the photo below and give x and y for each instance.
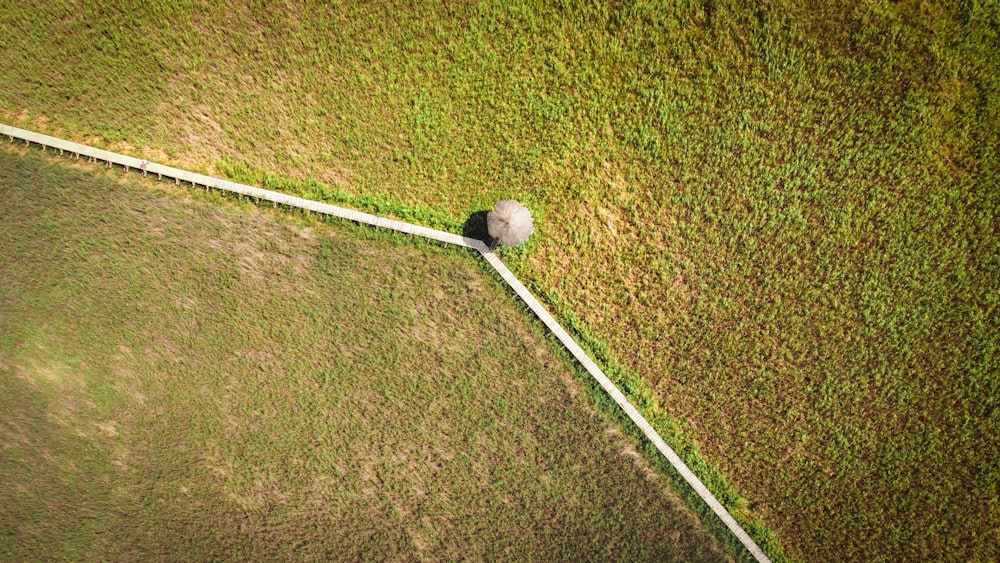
(191, 379)
(774, 223)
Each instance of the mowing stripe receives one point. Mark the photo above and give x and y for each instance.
(128, 162)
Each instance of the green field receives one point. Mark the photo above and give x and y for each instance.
(774, 223)
(188, 379)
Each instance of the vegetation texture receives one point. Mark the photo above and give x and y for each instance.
(775, 223)
(192, 381)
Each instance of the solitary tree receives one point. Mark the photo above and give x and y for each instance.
(509, 223)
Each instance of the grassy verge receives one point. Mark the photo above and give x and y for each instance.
(780, 217)
(194, 379)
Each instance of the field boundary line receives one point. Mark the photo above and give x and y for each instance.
(195, 179)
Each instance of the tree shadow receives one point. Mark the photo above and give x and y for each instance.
(475, 227)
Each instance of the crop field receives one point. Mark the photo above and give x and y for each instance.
(775, 224)
(191, 379)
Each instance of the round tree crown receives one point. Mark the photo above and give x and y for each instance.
(510, 223)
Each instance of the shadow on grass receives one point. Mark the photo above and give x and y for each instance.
(475, 227)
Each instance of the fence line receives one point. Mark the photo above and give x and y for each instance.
(160, 170)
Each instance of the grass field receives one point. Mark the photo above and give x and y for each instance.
(775, 223)
(189, 379)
